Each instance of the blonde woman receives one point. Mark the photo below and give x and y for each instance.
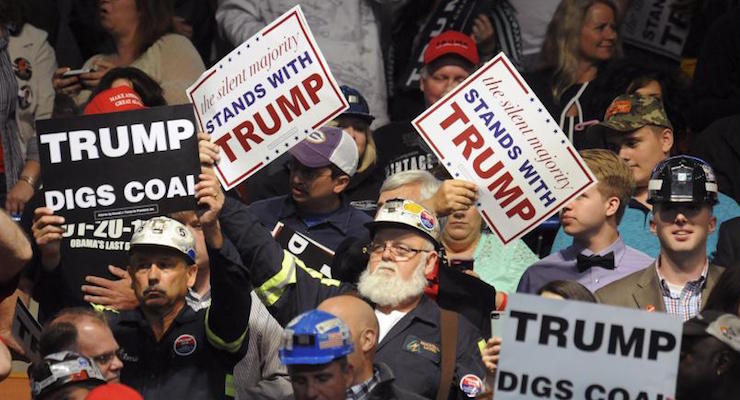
(581, 38)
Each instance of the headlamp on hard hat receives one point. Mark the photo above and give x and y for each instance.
(682, 179)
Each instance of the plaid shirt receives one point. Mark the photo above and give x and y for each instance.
(688, 303)
(361, 391)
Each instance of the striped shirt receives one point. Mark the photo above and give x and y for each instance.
(687, 303)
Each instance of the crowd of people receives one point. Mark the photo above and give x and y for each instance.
(207, 304)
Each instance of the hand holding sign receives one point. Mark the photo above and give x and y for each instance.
(209, 194)
(207, 151)
(453, 195)
(47, 232)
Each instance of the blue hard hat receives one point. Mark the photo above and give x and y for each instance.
(315, 337)
(357, 104)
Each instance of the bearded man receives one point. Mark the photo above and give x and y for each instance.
(404, 248)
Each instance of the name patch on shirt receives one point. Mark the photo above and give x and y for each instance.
(428, 350)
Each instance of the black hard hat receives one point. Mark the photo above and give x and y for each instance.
(682, 179)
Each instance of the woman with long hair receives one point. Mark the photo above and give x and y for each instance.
(581, 38)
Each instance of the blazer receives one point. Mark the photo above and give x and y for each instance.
(641, 289)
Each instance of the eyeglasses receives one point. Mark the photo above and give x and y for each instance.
(399, 251)
(106, 358)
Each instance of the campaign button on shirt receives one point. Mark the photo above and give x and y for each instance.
(22, 68)
(185, 345)
(471, 385)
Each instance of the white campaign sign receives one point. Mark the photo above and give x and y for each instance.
(265, 97)
(559, 349)
(492, 130)
(655, 26)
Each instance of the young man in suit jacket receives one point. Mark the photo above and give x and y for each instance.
(682, 191)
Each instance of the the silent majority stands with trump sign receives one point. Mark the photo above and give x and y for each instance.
(492, 130)
(264, 97)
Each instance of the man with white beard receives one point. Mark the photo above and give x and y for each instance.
(404, 247)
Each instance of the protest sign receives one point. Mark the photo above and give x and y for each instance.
(578, 350)
(312, 253)
(656, 26)
(492, 130)
(27, 331)
(119, 165)
(265, 96)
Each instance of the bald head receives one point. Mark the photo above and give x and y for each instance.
(362, 323)
(353, 311)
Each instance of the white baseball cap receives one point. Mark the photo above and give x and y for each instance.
(328, 145)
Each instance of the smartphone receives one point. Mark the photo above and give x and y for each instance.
(497, 323)
(461, 264)
(75, 72)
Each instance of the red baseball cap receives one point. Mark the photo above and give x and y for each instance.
(113, 391)
(119, 98)
(451, 42)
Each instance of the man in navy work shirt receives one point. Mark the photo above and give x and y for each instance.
(168, 349)
(320, 172)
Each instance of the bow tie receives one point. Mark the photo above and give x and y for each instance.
(586, 262)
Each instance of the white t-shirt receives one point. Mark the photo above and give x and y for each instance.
(387, 321)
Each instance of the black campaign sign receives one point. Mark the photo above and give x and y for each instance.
(127, 164)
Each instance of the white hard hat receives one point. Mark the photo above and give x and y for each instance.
(406, 214)
(165, 232)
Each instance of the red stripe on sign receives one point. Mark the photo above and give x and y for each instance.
(192, 99)
(563, 202)
(240, 176)
(430, 141)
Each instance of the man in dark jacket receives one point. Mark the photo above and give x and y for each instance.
(370, 380)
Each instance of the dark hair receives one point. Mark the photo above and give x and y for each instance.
(146, 87)
(570, 290)
(725, 296)
(155, 20)
(336, 172)
(58, 337)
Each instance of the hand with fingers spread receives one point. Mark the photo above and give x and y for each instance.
(209, 195)
(70, 86)
(113, 293)
(453, 195)
(207, 151)
(490, 354)
(47, 232)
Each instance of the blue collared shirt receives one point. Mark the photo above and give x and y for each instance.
(346, 221)
(562, 266)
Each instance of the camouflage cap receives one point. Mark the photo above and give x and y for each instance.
(631, 111)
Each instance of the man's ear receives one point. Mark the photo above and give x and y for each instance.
(431, 263)
(192, 271)
(666, 140)
(612, 205)
(653, 225)
(368, 339)
(340, 183)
